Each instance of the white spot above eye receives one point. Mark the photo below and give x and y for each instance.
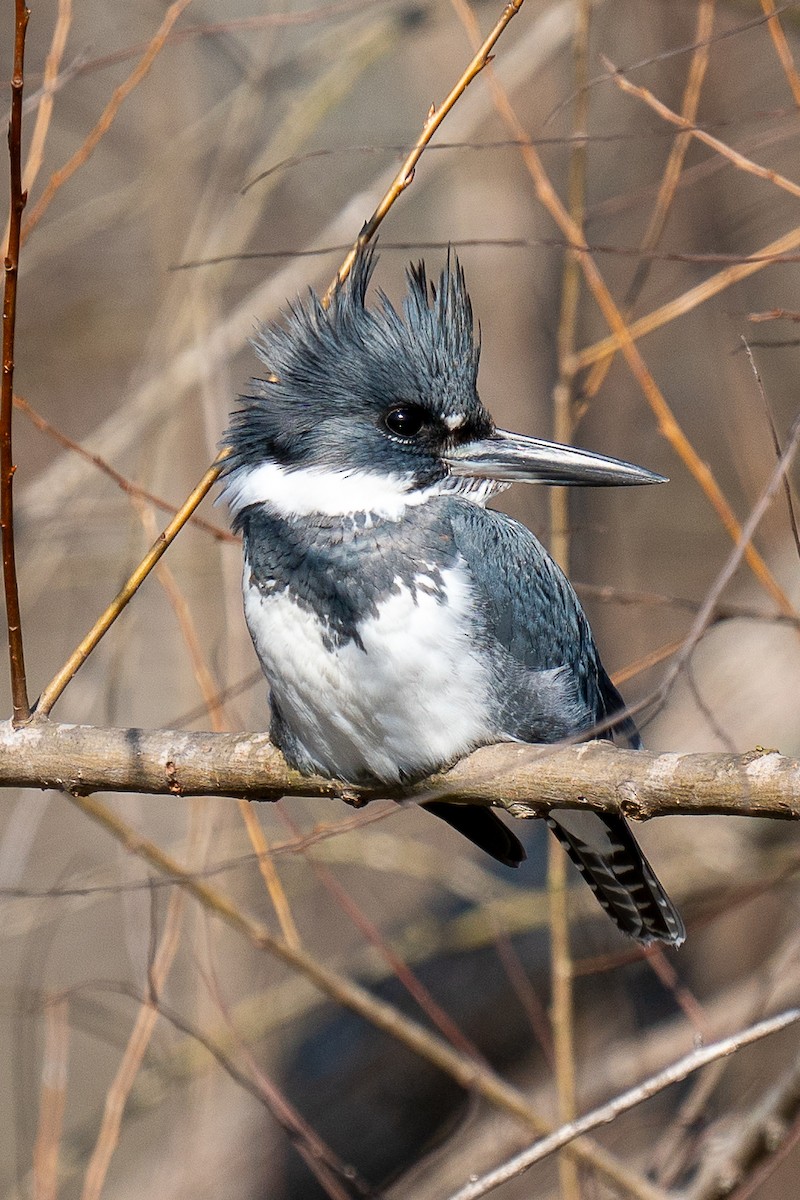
(455, 421)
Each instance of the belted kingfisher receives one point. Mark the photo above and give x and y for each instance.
(400, 623)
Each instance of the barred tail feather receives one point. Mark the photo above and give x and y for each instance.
(608, 857)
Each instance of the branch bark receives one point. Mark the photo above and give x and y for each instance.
(525, 780)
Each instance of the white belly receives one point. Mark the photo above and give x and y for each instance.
(409, 701)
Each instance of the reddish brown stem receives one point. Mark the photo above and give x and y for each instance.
(19, 690)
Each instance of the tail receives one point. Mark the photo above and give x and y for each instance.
(608, 857)
(483, 827)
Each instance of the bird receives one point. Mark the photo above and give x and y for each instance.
(400, 622)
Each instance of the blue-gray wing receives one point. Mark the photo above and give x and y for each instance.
(548, 674)
(550, 684)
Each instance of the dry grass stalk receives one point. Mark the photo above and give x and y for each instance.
(52, 1100)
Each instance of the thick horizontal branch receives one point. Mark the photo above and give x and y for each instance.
(526, 780)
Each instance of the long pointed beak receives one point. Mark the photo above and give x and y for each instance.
(514, 458)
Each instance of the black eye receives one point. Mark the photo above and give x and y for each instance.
(406, 420)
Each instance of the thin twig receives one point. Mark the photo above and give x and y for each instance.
(336, 1178)
(206, 683)
(646, 661)
(524, 990)
(44, 97)
(438, 1017)
(566, 140)
(692, 298)
(269, 873)
(765, 1169)
(214, 707)
(607, 594)
(753, 1144)
(302, 1136)
(738, 160)
(224, 695)
(775, 314)
(733, 561)
(562, 1015)
(19, 689)
(627, 1100)
(419, 245)
(276, 20)
(705, 613)
(678, 51)
(49, 85)
(787, 487)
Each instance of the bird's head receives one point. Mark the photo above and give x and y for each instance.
(371, 409)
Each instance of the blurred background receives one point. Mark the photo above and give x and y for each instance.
(231, 178)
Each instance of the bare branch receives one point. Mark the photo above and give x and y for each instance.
(609, 1112)
(525, 780)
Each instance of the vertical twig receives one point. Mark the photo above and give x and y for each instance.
(787, 487)
(19, 691)
(782, 48)
(561, 969)
(51, 69)
(563, 415)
